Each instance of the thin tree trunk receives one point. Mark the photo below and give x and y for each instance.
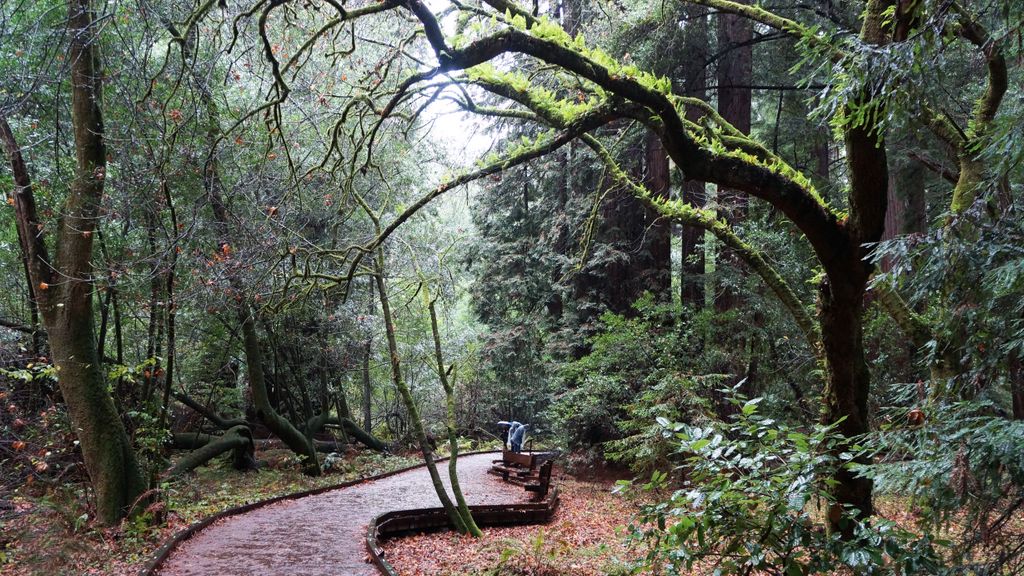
(1017, 387)
(367, 382)
(735, 75)
(367, 387)
(409, 401)
(172, 345)
(154, 330)
(453, 438)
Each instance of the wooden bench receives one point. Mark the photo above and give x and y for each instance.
(514, 466)
(510, 458)
(542, 483)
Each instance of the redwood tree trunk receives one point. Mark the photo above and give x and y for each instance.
(694, 192)
(658, 235)
(735, 75)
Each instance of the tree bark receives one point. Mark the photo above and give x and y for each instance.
(453, 438)
(694, 192)
(846, 393)
(905, 213)
(316, 423)
(1016, 387)
(65, 285)
(172, 310)
(658, 235)
(217, 420)
(735, 75)
(367, 381)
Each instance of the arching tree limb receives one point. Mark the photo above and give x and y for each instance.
(205, 448)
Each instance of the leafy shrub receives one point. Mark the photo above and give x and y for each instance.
(637, 370)
(962, 470)
(968, 278)
(752, 501)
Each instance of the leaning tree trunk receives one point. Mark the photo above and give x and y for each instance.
(409, 401)
(453, 439)
(64, 287)
(206, 447)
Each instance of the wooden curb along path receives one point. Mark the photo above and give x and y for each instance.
(505, 507)
(404, 522)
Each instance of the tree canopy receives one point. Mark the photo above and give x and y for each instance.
(745, 250)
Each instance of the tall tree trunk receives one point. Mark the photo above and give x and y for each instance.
(65, 286)
(846, 393)
(1016, 377)
(695, 84)
(735, 75)
(155, 328)
(822, 160)
(841, 297)
(30, 290)
(905, 213)
(171, 308)
(658, 235)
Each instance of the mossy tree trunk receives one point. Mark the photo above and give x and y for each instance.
(64, 286)
(453, 438)
(205, 447)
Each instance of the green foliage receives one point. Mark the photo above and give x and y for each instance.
(968, 277)
(636, 371)
(643, 446)
(751, 500)
(962, 470)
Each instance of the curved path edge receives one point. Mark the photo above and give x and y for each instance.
(174, 541)
(398, 522)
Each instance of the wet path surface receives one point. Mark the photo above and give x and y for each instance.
(325, 534)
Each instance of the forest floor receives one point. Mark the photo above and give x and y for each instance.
(46, 529)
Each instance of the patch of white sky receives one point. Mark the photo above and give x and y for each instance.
(460, 139)
(465, 136)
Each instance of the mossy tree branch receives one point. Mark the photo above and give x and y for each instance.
(677, 211)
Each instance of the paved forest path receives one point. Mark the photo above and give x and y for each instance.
(325, 534)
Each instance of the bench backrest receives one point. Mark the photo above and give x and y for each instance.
(525, 460)
(545, 472)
